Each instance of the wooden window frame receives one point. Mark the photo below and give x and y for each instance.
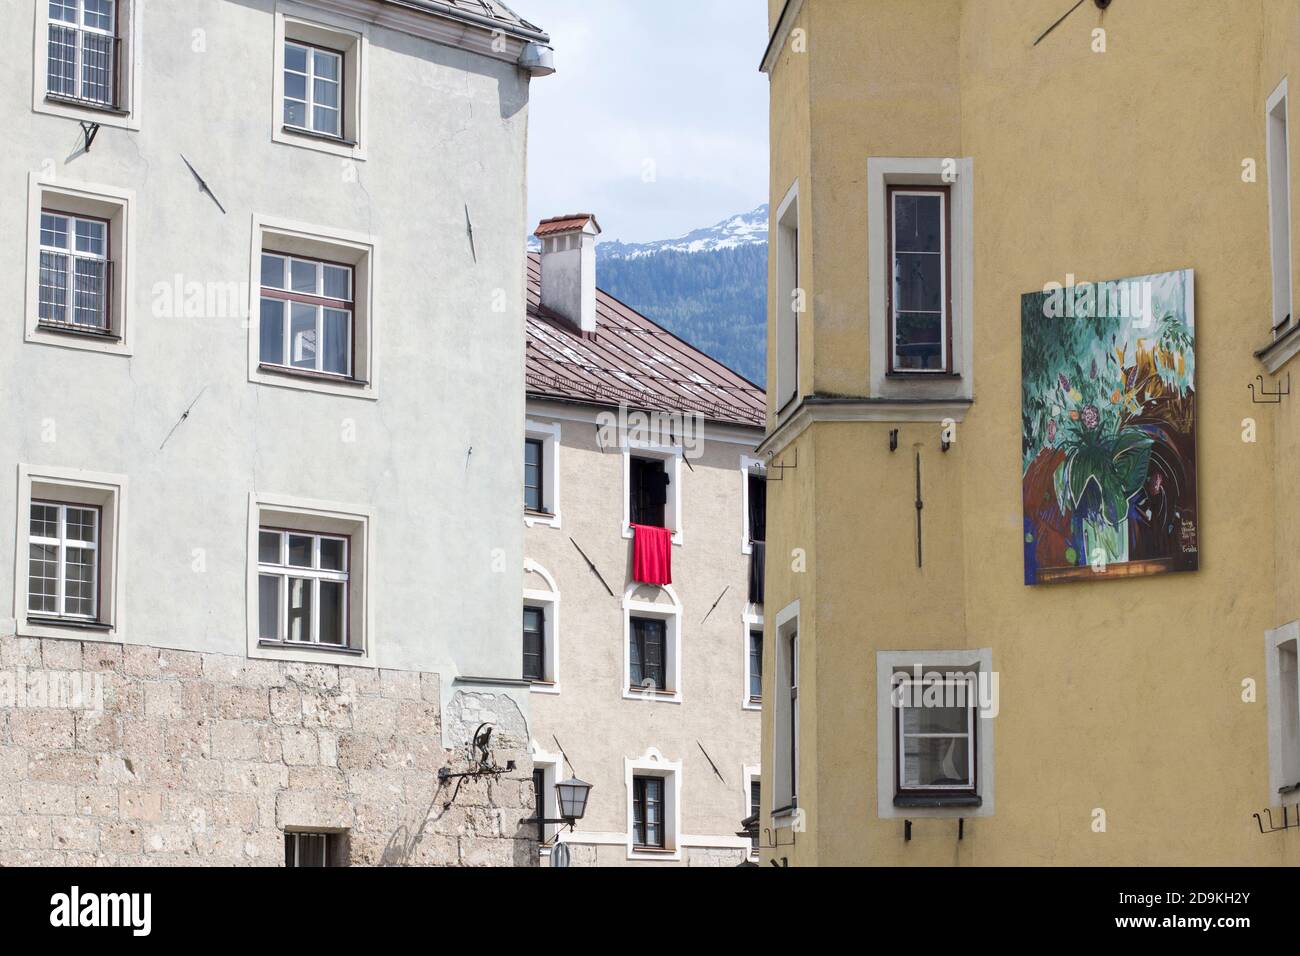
(310, 102)
(972, 734)
(320, 302)
(636, 637)
(540, 444)
(72, 256)
(640, 822)
(284, 571)
(946, 299)
(62, 544)
(542, 677)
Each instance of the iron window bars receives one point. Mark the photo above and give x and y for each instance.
(75, 274)
(83, 52)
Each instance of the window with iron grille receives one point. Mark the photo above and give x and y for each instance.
(534, 499)
(313, 850)
(313, 80)
(63, 560)
(534, 644)
(648, 812)
(646, 654)
(83, 51)
(302, 588)
(306, 315)
(755, 665)
(75, 272)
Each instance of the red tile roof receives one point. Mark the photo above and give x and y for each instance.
(576, 220)
(629, 359)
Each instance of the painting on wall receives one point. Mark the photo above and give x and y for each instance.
(1108, 429)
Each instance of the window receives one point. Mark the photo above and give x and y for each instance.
(647, 654)
(648, 812)
(936, 744)
(302, 588)
(533, 484)
(785, 757)
(546, 769)
(78, 266)
(534, 644)
(66, 578)
(755, 801)
(539, 802)
(1283, 690)
(755, 665)
(756, 527)
(313, 295)
(541, 473)
(654, 787)
(648, 491)
(312, 81)
(920, 269)
(934, 733)
(1279, 207)
(306, 315)
(919, 308)
(652, 641)
(308, 584)
(314, 849)
(63, 560)
(74, 272)
(321, 70)
(789, 300)
(82, 51)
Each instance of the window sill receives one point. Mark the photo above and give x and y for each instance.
(323, 137)
(97, 107)
(917, 375)
(56, 329)
(70, 623)
(938, 800)
(653, 850)
(303, 646)
(312, 376)
(543, 515)
(1281, 350)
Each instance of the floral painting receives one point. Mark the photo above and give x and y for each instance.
(1108, 409)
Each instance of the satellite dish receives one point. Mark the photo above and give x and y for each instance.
(560, 855)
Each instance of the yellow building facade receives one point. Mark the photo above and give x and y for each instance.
(1140, 716)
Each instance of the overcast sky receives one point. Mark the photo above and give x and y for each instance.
(665, 89)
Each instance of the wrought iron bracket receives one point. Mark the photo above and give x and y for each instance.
(89, 130)
(1269, 398)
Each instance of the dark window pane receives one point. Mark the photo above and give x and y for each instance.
(268, 607)
(331, 613)
(918, 340)
(534, 644)
(533, 500)
(646, 654)
(331, 554)
(300, 548)
(268, 547)
(918, 223)
(918, 282)
(271, 338)
(755, 665)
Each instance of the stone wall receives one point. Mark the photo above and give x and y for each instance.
(161, 757)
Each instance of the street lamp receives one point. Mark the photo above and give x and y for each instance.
(572, 795)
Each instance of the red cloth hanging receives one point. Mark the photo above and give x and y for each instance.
(652, 554)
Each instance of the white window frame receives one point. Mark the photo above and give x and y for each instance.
(958, 175)
(312, 517)
(635, 605)
(671, 456)
(62, 543)
(547, 598)
(336, 246)
(1282, 679)
(785, 374)
(126, 114)
(749, 773)
(91, 201)
(750, 620)
(325, 303)
(71, 256)
(758, 468)
(78, 488)
(965, 661)
(548, 433)
(945, 317)
(1277, 123)
(970, 695)
(282, 571)
(310, 26)
(785, 730)
(310, 52)
(551, 764)
(653, 764)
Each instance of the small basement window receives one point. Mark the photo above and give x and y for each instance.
(315, 849)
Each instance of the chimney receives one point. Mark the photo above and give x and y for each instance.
(568, 265)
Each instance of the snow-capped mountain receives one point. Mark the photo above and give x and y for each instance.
(746, 229)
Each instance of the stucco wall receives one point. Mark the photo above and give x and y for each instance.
(1122, 696)
(445, 137)
(591, 718)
